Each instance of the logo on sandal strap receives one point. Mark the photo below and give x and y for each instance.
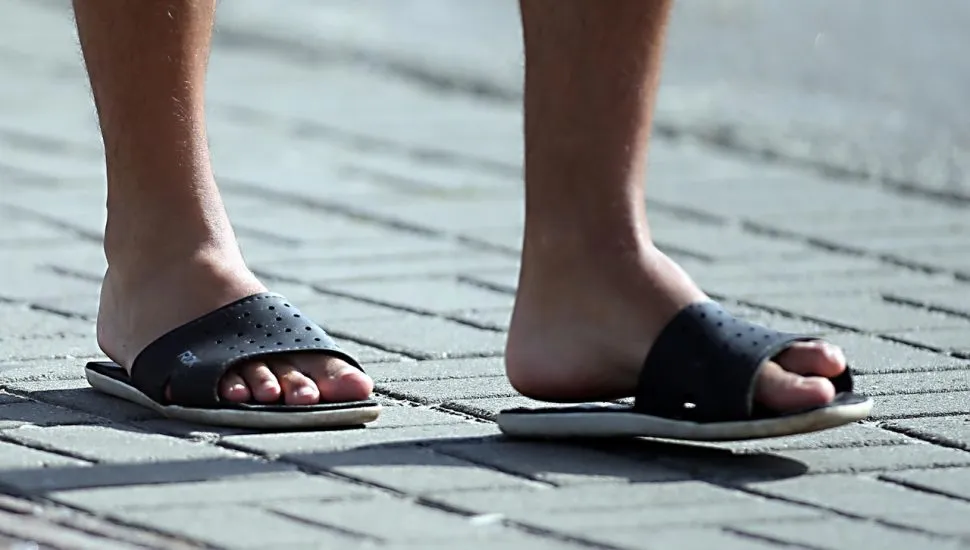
(188, 358)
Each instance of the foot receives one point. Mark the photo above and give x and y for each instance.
(141, 302)
(580, 332)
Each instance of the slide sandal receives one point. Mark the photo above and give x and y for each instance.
(697, 384)
(191, 360)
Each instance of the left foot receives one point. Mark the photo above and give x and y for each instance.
(581, 330)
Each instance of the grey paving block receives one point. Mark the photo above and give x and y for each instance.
(867, 497)
(471, 367)
(434, 295)
(32, 532)
(25, 349)
(726, 242)
(619, 498)
(395, 520)
(14, 457)
(77, 394)
(235, 527)
(504, 281)
(653, 517)
(921, 404)
(746, 468)
(873, 355)
(441, 391)
(424, 337)
(489, 407)
(83, 305)
(952, 431)
(410, 469)
(865, 313)
(497, 319)
(367, 354)
(41, 282)
(317, 442)
(376, 268)
(852, 435)
(41, 369)
(693, 538)
(950, 340)
(23, 413)
(561, 464)
(952, 297)
(117, 444)
(21, 321)
(244, 490)
(873, 283)
(839, 533)
(954, 482)
(102, 476)
(914, 382)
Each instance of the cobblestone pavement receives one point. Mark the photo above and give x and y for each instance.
(391, 208)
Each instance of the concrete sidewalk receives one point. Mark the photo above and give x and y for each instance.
(390, 209)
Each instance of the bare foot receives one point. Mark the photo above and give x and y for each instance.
(142, 302)
(580, 332)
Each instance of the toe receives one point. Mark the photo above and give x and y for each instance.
(262, 383)
(338, 381)
(298, 389)
(813, 358)
(233, 387)
(781, 390)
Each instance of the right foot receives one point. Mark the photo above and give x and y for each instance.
(140, 302)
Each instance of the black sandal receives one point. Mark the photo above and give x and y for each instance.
(698, 384)
(191, 360)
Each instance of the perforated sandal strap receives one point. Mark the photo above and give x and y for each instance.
(191, 359)
(704, 365)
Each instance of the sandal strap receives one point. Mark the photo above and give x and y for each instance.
(192, 359)
(704, 365)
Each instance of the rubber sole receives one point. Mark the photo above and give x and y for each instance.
(616, 421)
(354, 414)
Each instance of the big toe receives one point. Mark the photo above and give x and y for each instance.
(337, 380)
(798, 378)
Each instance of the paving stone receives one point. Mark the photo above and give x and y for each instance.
(616, 497)
(653, 517)
(840, 533)
(14, 457)
(560, 464)
(496, 319)
(400, 520)
(441, 391)
(914, 382)
(875, 283)
(488, 408)
(954, 482)
(695, 538)
(438, 295)
(499, 280)
(235, 527)
(116, 444)
(25, 349)
(376, 268)
(24, 413)
(873, 355)
(947, 430)
(33, 532)
(471, 367)
(41, 282)
(251, 489)
(366, 354)
(20, 321)
(317, 442)
(414, 470)
(41, 369)
(952, 297)
(743, 469)
(948, 340)
(424, 337)
(78, 394)
(851, 435)
(864, 313)
(921, 404)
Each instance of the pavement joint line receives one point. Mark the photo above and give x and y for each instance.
(473, 281)
(842, 513)
(739, 531)
(924, 305)
(939, 441)
(492, 467)
(919, 488)
(361, 537)
(430, 502)
(330, 208)
(56, 222)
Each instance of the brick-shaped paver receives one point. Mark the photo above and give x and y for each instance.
(424, 337)
(839, 533)
(471, 367)
(433, 295)
(953, 431)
